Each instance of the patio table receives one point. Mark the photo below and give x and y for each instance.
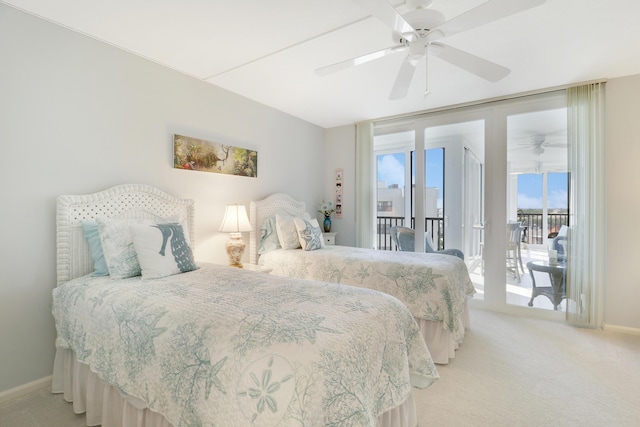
(557, 275)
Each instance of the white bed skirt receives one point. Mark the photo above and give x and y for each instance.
(105, 405)
(442, 343)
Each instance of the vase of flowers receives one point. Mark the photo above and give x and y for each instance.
(327, 209)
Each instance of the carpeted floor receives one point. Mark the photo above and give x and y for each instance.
(511, 371)
(515, 371)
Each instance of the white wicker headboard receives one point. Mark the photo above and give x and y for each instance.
(73, 258)
(264, 208)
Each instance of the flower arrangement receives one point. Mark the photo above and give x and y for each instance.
(326, 209)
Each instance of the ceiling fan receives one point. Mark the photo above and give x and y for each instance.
(419, 31)
(536, 144)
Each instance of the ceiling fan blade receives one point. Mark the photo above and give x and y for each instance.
(485, 13)
(343, 65)
(403, 80)
(383, 10)
(474, 64)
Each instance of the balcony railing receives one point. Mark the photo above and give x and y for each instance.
(532, 222)
(534, 226)
(434, 225)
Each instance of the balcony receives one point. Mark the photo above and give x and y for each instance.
(534, 248)
(534, 233)
(384, 223)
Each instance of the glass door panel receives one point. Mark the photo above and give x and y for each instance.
(537, 206)
(433, 194)
(392, 153)
(453, 191)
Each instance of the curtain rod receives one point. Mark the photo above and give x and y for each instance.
(481, 102)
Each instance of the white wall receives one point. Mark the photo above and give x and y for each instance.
(622, 293)
(340, 153)
(78, 116)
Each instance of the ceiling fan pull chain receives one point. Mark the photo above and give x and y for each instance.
(426, 75)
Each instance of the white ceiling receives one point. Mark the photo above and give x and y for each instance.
(267, 50)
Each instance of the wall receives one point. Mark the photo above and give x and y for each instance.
(340, 153)
(78, 116)
(622, 277)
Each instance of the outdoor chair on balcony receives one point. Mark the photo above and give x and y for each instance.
(514, 254)
(559, 243)
(404, 238)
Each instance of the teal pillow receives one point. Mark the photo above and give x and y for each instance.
(269, 237)
(90, 229)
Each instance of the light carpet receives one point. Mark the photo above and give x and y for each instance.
(510, 371)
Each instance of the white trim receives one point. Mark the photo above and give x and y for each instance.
(480, 102)
(621, 329)
(21, 390)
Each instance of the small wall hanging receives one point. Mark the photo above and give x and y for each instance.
(200, 155)
(338, 200)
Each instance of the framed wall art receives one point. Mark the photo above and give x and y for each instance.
(338, 196)
(206, 156)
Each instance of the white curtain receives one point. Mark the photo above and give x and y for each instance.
(585, 276)
(365, 199)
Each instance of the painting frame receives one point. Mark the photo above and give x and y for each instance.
(207, 156)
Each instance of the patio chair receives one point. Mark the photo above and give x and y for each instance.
(514, 256)
(559, 243)
(404, 238)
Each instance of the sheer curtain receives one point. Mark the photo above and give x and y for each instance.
(365, 179)
(585, 276)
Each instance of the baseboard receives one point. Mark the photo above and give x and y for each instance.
(621, 329)
(23, 389)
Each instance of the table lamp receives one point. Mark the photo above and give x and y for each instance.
(235, 222)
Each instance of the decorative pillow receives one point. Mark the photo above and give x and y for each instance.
(162, 249)
(117, 245)
(286, 229)
(269, 236)
(90, 230)
(309, 234)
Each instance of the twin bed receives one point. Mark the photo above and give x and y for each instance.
(214, 345)
(434, 287)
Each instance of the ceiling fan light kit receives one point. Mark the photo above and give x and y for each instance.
(420, 31)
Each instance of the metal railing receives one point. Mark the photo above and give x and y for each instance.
(532, 222)
(434, 225)
(534, 226)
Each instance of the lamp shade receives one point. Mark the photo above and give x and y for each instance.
(235, 219)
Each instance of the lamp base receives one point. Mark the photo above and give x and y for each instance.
(235, 249)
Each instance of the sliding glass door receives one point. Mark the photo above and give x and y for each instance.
(449, 175)
(537, 205)
(478, 170)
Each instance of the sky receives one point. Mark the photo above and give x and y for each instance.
(391, 170)
(530, 191)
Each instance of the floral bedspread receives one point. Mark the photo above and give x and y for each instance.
(433, 286)
(221, 346)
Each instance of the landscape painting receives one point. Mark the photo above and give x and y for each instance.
(200, 155)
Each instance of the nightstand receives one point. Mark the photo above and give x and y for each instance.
(329, 238)
(256, 267)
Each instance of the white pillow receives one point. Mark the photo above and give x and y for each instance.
(309, 234)
(117, 245)
(162, 249)
(286, 229)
